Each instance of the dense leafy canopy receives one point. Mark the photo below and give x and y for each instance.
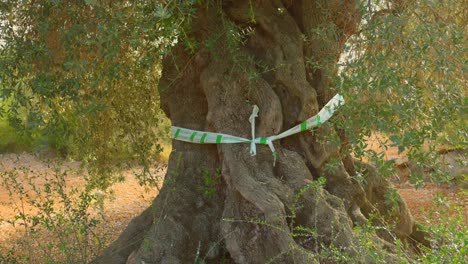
(404, 76)
(84, 74)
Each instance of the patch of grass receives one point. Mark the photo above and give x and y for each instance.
(449, 234)
(164, 155)
(11, 141)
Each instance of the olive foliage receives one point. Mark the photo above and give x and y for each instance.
(404, 76)
(85, 74)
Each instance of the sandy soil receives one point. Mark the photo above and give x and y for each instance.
(128, 198)
(131, 199)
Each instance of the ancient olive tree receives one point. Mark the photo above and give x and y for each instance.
(262, 53)
(218, 203)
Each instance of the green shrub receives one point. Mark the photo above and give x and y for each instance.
(62, 224)
(449, 234)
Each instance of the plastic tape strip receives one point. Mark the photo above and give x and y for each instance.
(202, 137)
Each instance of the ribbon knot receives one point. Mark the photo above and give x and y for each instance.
(253, 148)
(254, 140)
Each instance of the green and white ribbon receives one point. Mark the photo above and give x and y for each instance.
(203, 137)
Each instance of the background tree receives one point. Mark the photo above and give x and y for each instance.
(82, 76)
(91, 65)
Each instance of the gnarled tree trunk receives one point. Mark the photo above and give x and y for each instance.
(252, 211)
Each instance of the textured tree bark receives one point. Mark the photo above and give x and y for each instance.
(255, 208)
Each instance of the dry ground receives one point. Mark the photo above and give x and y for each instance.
(131, 199)
(421, 200)
(128, 199)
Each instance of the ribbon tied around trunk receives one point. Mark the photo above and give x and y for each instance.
(203, 137)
